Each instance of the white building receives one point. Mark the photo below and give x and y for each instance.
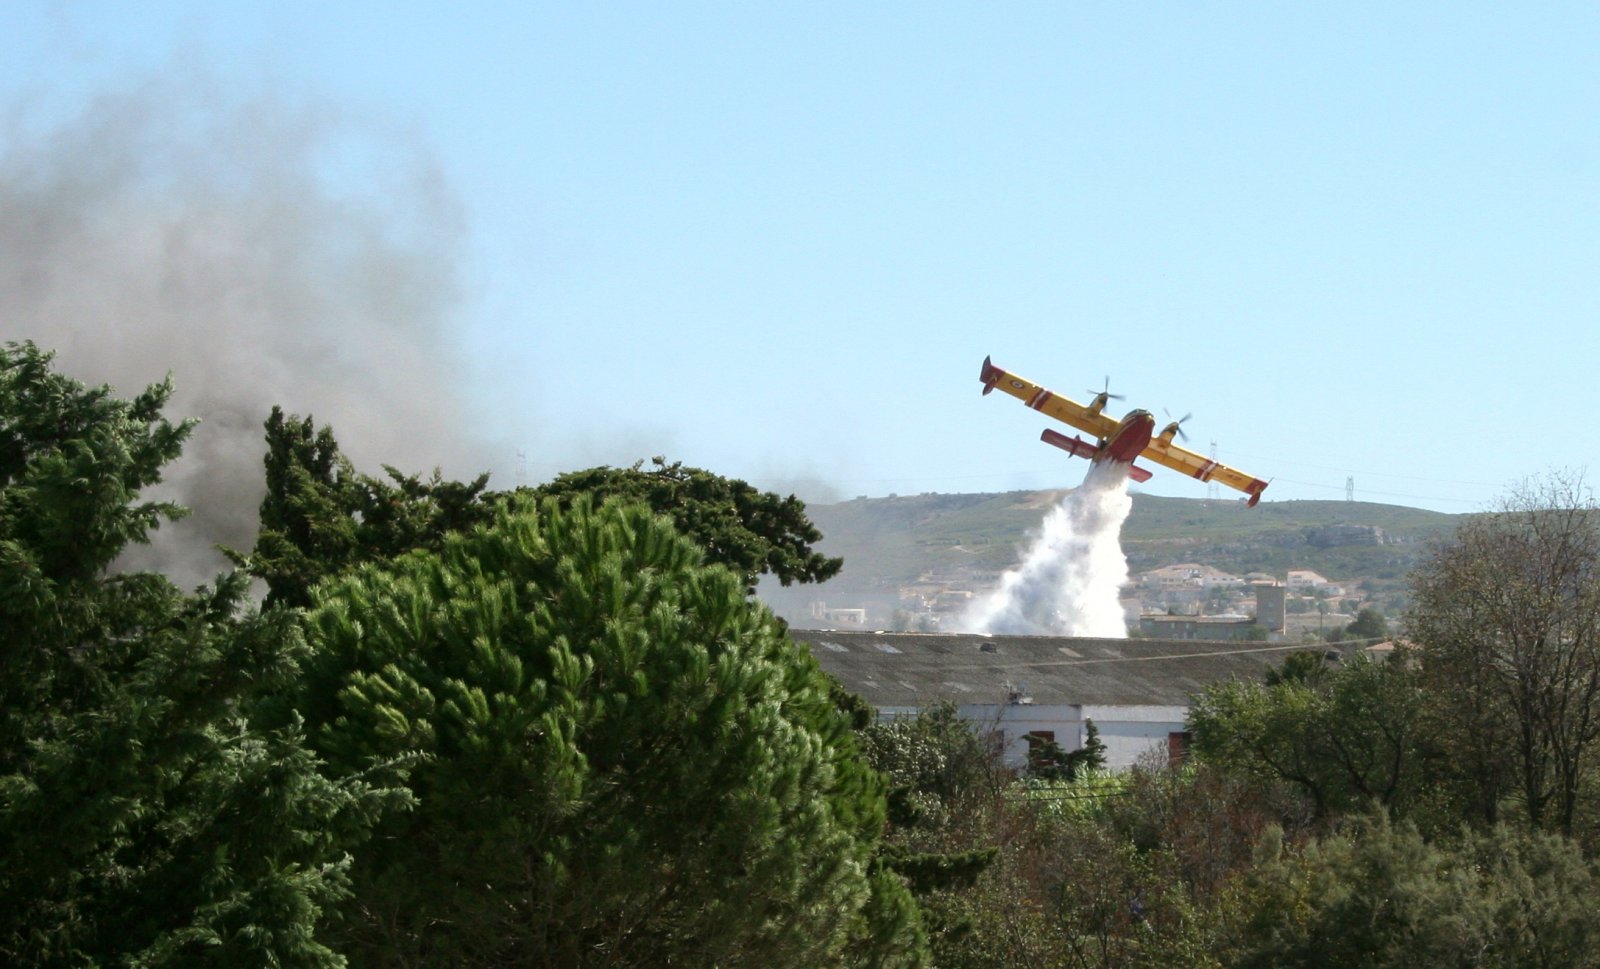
(856, 618)
(1302, 581)
(1189, 575)
(1137, 691)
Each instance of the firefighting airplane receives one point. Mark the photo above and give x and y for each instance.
(1119, 441)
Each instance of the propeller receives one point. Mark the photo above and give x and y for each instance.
(1106, 392)
(1177, 425)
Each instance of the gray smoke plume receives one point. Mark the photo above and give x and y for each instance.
(1070, 580)
(172, 229)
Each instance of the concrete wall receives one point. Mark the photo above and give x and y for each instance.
(1206, 628)
(1129, 732)
(1014, 721)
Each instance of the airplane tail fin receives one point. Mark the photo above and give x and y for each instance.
(990, 375)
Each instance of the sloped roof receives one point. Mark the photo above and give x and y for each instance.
(919, 669)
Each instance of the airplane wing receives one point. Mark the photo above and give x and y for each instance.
(1162, 451)
(1045, 402)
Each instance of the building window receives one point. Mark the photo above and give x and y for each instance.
(1177, 747)
(1045, 759)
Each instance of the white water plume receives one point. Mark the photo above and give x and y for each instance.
(1070, 579)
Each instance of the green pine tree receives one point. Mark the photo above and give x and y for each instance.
(627, 761)
(752, 532)
(321, 517)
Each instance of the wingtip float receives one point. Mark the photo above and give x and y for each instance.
(1119, 441)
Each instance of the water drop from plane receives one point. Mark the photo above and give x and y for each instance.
(1070, 580)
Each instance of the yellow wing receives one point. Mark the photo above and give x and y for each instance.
(1162, 451)
(1046, 402)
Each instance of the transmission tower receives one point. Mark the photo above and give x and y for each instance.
(1350, 488)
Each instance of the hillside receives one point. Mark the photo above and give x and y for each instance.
(1341, 539)
(925, 542)
(890, 542)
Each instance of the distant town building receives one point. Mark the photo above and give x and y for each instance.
(1304, 579)
(1307, 582)
(838, 617)
(952, 600)
(1272, 606)
(1188, 577)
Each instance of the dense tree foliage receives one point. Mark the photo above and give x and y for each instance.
(143, 819)
(1035, 872)
(552, 728)
(321, 517)
(627, 761)
(1345, 734)
(946, 786)
(619, 759)
(752, 532)
(72, 463)
(1378, 894)
(1507, 618)
(1368, 624)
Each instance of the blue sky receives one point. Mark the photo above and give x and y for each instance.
(1356, 241)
